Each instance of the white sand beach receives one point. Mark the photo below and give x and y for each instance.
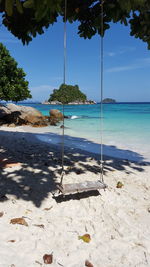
(117, 219)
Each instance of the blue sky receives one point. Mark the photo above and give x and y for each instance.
(126, 63)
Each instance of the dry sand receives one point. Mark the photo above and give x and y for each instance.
(117, 219)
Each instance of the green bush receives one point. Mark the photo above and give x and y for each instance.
(13, 85)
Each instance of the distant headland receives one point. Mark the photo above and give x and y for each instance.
(109, 100)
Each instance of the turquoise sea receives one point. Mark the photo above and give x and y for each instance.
(126, 127)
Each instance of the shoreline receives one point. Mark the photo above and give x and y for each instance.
(53, 136)
(117, 219)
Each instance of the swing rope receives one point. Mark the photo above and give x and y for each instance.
(101, 92)
(64, 82)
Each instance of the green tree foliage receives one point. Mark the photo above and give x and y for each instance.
(67, 93)
(13, 85)
(26, 18)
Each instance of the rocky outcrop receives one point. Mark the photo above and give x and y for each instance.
(45, 103)
(12, 114)
(3, 111)
(55, 116)
(87, 102)
(51, 103)
(55, 103)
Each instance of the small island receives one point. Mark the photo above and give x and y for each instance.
(109, 101)
(68, 94)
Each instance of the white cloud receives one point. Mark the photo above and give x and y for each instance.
(120, 51)
(111, 54)
(123, 68)
(140, 63)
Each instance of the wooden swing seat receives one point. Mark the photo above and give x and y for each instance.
(81, 187)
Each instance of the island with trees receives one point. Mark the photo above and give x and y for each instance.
(109, 101)
(68, 94)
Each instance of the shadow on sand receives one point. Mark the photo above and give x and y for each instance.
(41, 166)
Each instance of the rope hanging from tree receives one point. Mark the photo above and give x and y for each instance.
(101, 92)
(64, 81)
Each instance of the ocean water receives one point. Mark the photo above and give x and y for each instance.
(126, 128)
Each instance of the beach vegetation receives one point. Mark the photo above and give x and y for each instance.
(13, 85)
(67, 93)
(33, 16)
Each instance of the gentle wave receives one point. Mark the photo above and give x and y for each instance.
(75, 117)
(83, 117)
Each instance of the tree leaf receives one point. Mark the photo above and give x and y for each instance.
(119, 185)
(18, 221)
(39, 225)
(86, 238)
(9, 7)
(19, 6)
(88, 264)
(1, 214)
(28, 4)
(13, 86)
(48, 258)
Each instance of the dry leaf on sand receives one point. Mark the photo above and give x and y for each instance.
(86, 238)
(1, 214)
(119, 185)
(39, 225)
(48, 208)
(19, 221)
(88, 264)
(48, 258)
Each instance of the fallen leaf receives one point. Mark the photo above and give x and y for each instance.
(119, 185)
(48, 208)
(1, 214)
(88, 264)
(38, 262)
(48, 258)
(86, 238)
(39, 225)
(60, 264)
(19, 221)
(28, 210)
